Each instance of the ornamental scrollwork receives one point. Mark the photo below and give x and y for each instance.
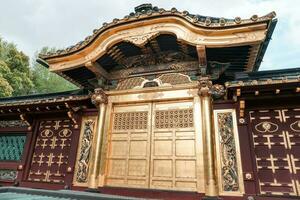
(141, 39)
(229, 168)
(99, 97)
(85, 151)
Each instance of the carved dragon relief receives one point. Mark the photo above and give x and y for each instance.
(85, 151)
(229, 166)
(150, 59)
(154, 69)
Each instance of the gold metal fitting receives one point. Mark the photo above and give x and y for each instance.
(20, 167)
(69, 169)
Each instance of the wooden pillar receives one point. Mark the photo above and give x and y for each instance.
(99, 98)
(210, 171)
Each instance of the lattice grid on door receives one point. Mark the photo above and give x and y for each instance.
(180, 118)
(130, 120)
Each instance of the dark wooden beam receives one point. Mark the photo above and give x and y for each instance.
(201, 51)
(97, 69)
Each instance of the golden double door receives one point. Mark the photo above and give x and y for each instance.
(153, 145)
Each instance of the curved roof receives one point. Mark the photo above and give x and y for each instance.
(146, 11)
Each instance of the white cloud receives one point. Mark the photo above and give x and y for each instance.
(32, 24)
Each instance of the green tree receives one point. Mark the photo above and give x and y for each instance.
(15, 76)
(46, 81)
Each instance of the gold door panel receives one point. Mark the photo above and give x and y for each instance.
(173, 152)
(153, 146)
(128, 161)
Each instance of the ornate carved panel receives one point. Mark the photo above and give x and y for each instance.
(228, 153)
(162, 80)
(87, 134)
(174, 79)
(11, 147)
(52, 150)
(276, 138)
(8, 175)
(130, 83)
(179, 66)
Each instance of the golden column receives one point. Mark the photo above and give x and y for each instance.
(210, 171)
(99, 98)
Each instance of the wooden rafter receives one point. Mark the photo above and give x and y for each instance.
(154, 44)
(116, 54)
(98, 70)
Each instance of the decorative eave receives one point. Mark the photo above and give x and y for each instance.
(265, 78)
(197, 20)
(266, 86)
(232, 44)
(55, 98)
(295, 79)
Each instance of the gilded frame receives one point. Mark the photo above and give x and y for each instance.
(176, 93)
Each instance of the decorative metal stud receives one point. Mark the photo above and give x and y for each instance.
(254, 17)
(69, 169)
(222, 21)
(207, 21)
(237, 20)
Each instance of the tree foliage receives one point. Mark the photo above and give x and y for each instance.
(15, 77)
(18, 78)
(46, 81)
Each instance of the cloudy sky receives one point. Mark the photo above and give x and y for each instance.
(33, 24)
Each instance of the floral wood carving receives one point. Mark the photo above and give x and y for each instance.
(85, 151)
(229, 168)
(12, 123)
(8, 175)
